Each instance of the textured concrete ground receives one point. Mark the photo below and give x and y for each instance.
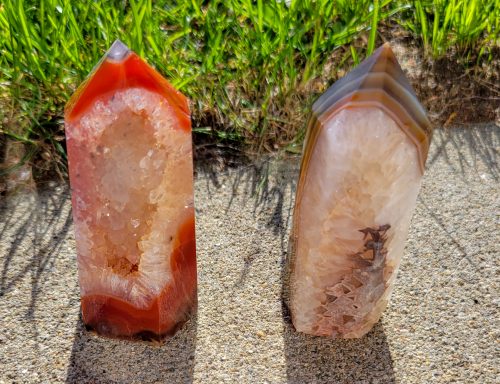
(442, 325)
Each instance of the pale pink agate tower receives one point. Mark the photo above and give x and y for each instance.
(130, 163)
(363, 162)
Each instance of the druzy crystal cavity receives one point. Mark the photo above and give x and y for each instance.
(129, 146)
(362, 165)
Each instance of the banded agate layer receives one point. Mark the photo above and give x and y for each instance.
(362, 165)
(130, 162)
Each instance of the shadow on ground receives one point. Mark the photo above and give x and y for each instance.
(439, 329)
(43, 224)
(34, 228)
(99, 360)
(473, 146)
(269, 186)
(311, 359)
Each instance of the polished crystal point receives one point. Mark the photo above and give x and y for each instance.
(129, 146)
(362, 165)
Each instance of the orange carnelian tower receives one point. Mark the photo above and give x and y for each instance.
(130, 163)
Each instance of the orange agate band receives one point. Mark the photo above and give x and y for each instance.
(127, 70)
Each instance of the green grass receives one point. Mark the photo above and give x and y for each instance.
(444, 24)
(250, 68)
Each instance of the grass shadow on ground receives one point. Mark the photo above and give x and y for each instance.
(100, 360)
(269, 187)
(480, 141)
(38, 223)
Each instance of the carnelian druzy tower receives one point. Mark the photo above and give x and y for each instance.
(129, 146)
(363, 161)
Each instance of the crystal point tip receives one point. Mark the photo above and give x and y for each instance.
(117, 51)
(380, 81)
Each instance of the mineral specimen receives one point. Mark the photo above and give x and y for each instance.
(363, 161)
(129, 146)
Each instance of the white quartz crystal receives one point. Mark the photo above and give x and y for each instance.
(136, 190)
(363, 175)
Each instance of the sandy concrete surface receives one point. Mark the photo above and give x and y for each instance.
(442, 325)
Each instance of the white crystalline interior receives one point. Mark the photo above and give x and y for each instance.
(131, 192)
(363, 173)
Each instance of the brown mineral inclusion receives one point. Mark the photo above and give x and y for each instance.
(362, 165)
(130, 163)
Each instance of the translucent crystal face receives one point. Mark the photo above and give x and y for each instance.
(359, 192)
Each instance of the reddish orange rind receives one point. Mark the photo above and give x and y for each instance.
(113, 317)
(129, 71)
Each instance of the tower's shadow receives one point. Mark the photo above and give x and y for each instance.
(99, 360)
(312, 359)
